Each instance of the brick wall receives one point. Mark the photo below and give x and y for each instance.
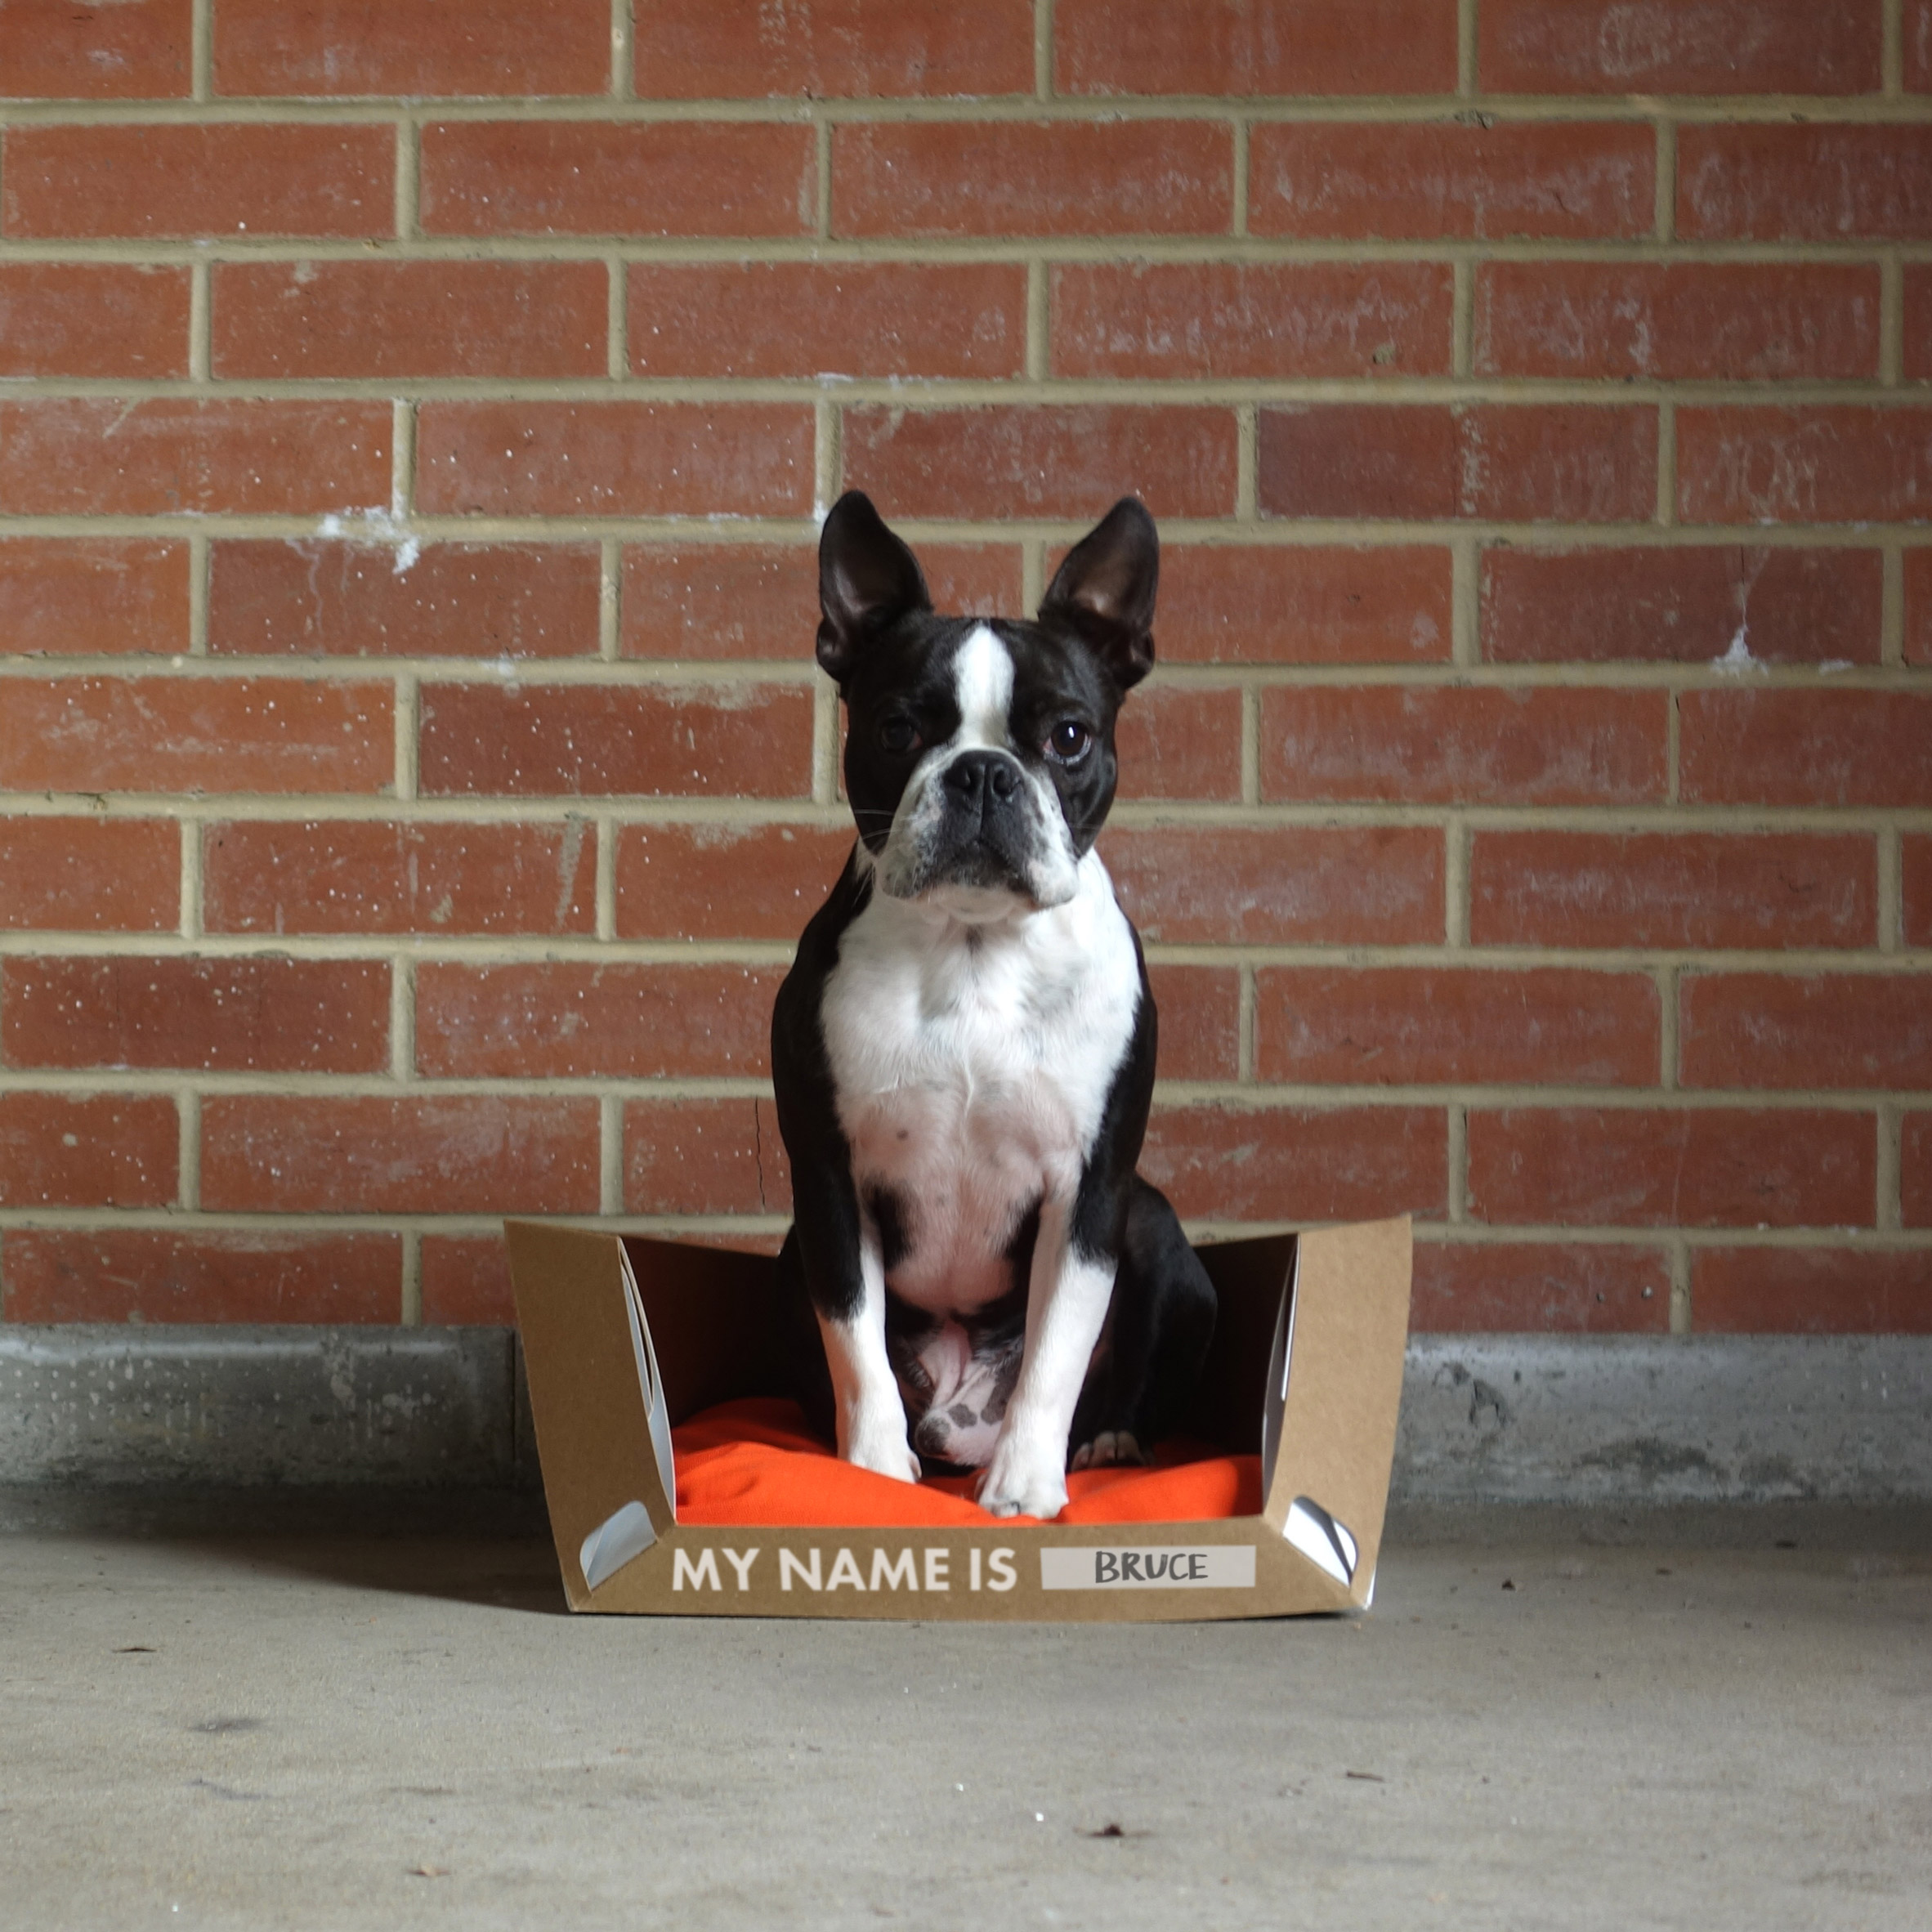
(411, 421)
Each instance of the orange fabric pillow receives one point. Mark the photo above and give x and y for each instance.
(755, 1464)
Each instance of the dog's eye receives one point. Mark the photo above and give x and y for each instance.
(898, 735)
(1069, 741)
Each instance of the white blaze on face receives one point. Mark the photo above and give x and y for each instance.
(982, 682)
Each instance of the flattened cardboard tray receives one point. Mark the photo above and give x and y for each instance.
(624, 1338)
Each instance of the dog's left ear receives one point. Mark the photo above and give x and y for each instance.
(1105, 590)
(867, 578)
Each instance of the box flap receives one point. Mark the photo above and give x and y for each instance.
(1337, 1372)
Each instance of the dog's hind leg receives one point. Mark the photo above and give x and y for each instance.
(1161, 1323)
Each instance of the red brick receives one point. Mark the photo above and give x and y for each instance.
(1833, 463)
(250, 178)
(155, 1275)
(313, 598)
(1918, 45)
(53, 49)
(1683, 1167)
(1664, 47)
(1177, 320)
(599, 740)
(1047, 460)
(96, 319)
(172, 456)
(1798, 747)
(1918, 322)
(466, 1280)
(93, 1150)
(375, 876)
(1177, 741)
(1561, 462)
(413, 47)
(613, 459)
(1918, 607)
(309, 320)
(1428, 1026)
(705, 1158)
(1917, 866)
(760, 600)
(1843, 1030)
(566, 1021)
(1452, 180)
(442, 1154)
(1300, 885)
(588, 177)
(196, 735)
(937, 178)
(743, 318)
(690, 50)
(1915, 1180)
(1680, 606)
(1199, 1010)
(1313, 603)
(1798, 181)
(725, 881)
(1540, 1288)
(1298, 1163)
(1811, 1291)
(1245, 48)
(254, 1015)
(90, 874)
(1702, 321)
(1681, 890)
(92, 596)
(1455, 746)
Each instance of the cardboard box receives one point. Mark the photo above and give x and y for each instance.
(624, 1338)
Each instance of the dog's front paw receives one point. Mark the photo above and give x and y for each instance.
(1020, 1480)
(1110, 1447)
(881, 1446)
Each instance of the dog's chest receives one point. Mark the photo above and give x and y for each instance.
(971, 1068)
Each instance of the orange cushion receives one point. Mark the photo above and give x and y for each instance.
(755, 1463)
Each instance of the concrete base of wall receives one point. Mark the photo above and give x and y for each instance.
(1485, 1418)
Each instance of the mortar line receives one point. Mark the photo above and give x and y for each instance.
(1039, 319)
(826, 457)
(1679, 1251)
(605, 887)
(1033, 575)
(1466, 603)
(1891, 320)
(1043, 49)
(1667, 463)
(1665, 206)
(1245, 1026)
(402, 457)
(190, 922)
(1241, 164)
(1889, 1213)
(1456, 883)
(822, 188)
(1891, 891)
(1462, 315)
(609, 601)
(623, 51)
(410, 1312)
(402, 1018)
(1247, 463)
(1669, 995)
(1251, 750)
(824, 741)
(201, 58)
(610, 1154)
(200, 324)
(617, 322)
(408, 732)
(187, 1103)
(200, 562)
(408, 178)
(1673, 750)
(1891, 609)
(1892, 58)
(1458, 1204)
(1466, 50)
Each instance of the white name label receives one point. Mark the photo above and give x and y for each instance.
(1219, 1567)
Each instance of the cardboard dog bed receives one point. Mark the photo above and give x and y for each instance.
(680, 1480)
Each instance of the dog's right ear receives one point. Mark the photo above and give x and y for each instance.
(867, 579)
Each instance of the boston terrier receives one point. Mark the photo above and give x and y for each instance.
(962, 1053)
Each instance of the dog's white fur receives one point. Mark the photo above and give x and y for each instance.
(972, 1037)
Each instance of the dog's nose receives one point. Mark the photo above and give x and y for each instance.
(980, 775)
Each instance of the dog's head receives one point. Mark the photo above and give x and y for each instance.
(979, 752)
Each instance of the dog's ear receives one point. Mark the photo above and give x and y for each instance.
(1105, 590)
(867, 578)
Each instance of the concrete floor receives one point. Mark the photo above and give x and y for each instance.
(1534, 1728)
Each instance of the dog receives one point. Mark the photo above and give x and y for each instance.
(962, 1053)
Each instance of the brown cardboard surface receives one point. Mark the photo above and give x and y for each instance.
(1306, 1366)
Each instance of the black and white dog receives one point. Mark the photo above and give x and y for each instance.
(964, 1051)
